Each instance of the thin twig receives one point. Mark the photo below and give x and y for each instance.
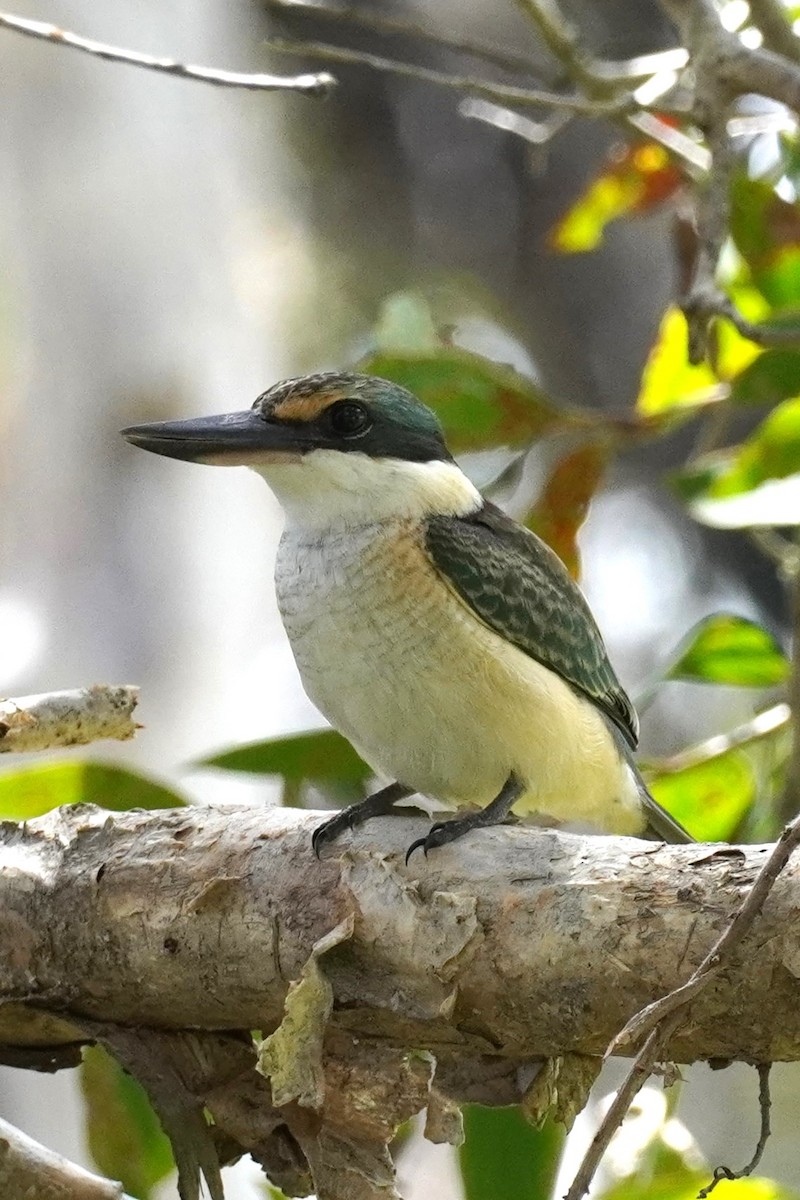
(71, 718)
(506, 59)
(704, 299)
(634, 1082)
(624, 73)
(648, 1019)
(310, 85)
(472, 84)
(764, 1107)
(658, 1022)
(762, 725)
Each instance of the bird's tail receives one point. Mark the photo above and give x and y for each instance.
(661, 826)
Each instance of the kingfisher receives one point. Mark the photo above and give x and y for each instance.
(448, 643)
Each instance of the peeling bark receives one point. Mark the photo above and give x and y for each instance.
(381, 989)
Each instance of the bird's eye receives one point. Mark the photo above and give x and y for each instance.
(348, 418)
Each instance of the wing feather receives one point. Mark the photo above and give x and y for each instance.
(518, 587)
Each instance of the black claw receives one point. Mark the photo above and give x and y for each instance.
(328, 831)
(419, 843)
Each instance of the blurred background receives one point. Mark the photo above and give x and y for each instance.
(172, 249)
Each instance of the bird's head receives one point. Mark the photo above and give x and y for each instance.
(333, 447)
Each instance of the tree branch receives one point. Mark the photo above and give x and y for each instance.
(30, 1170)
(771, 17)
(71, 718)
(515, 946)
(309, 85)
(434, 936)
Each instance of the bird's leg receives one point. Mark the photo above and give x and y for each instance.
(378, 805)
(447, 831)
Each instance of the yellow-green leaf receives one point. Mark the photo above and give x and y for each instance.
(124, 1135)
(709, 799)
(637, 178)
(31, 791)
(772, 452)
(728, 649)
(669, 381)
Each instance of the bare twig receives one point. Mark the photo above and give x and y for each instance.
(71, 718)
(29, 1169)
(606, 72)
(500, 92)
(506, 59)
(764, 1107)
(762, 725)
(658, 1022)
(310, 85)
(634, 1082)
(650, 1017)
(771, 17)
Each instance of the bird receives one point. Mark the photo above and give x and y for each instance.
(446, 641)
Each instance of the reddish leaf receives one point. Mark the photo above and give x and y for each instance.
(564, 502)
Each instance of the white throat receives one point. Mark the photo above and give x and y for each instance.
(329, 488)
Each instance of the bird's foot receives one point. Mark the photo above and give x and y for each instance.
(443, 832)
(336, 825)
(495, 813)
(356, 814)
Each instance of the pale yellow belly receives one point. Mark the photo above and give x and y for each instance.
(431, 697)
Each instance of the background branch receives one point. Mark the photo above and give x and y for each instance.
(70, 718)
(309, 85)
(29, 1170)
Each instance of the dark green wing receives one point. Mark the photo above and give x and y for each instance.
(519, 588)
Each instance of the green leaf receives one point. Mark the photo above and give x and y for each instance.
(772, 452)
(504, 1158)
(711, 798)
(770, 378)
(481, 404)
(725, 648)
(774, 503)
(766, 232)
(31, 791)
(320, 756)
(124, 1135)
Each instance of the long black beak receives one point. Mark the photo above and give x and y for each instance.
(232, 439)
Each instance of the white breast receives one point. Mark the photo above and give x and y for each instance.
(430, 696)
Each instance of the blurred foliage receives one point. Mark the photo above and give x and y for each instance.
(635, 180)
(725, 648)
(30, 791)
(742, 472)
(322, 758)
(124, 1136)
(504, 1158)
(709, 798)
(564, 501)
